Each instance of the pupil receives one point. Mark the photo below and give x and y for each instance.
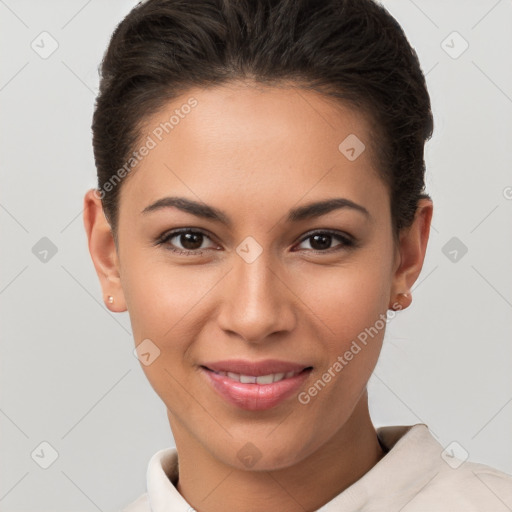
(324, 244)
(187, 240)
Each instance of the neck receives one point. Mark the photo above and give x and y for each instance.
(211, 486)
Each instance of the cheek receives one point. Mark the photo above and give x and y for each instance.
(168, 305)
(163, 301)
(347, 298)
(160, 295)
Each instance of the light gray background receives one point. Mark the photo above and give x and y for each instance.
(68, 374)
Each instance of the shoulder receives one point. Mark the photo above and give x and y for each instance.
(141, 504)
(470, 487)
(427, 477)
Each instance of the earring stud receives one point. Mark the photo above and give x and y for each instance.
(110, 299)
(398, 305)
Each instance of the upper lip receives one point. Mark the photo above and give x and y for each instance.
(255, 368)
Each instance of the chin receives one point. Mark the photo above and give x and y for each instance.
(254, 453)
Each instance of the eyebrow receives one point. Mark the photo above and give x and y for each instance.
(308, 211)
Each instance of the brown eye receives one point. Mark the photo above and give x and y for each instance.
(190, 241)
(185, 241)
(319, 242)
(322, 241)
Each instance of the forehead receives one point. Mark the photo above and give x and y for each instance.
(260, 142)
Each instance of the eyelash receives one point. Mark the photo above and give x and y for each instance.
(347, 242)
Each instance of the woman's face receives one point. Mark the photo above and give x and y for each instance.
(254, 284)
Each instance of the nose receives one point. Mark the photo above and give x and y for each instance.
(256, 302)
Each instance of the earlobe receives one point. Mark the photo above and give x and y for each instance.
(103, 252)
(402, 301)
(412, 247)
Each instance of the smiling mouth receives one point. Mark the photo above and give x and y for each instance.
(269, 388)
(258, 379)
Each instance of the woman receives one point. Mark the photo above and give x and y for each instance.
(261, 214)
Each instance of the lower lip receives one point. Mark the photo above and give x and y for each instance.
(255, 397)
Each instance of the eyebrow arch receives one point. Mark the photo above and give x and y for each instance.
(320, 208)
(300, 213)
(188, 205)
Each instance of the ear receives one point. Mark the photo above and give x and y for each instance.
(411, 251)
(103, 251)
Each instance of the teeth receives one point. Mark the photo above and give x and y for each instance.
(262, 379)
(265, 379)
(247, 379)
(279, 376)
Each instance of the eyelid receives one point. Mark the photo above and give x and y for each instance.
(347, 240)
(333, 232)
(167, 235)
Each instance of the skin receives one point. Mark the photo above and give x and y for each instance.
(256, 153)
